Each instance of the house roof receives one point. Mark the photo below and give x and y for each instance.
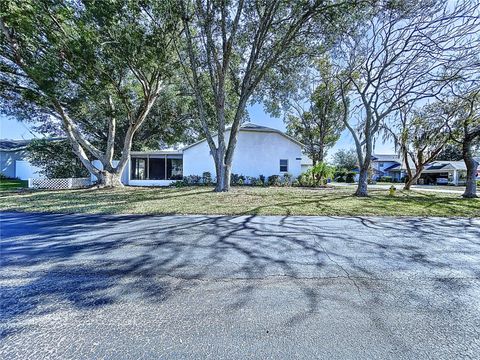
(386, 157)
(9, 145)
(446, 165)
(13, 145)
(253, 127)
(391, 167)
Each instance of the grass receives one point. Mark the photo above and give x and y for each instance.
(9, 184)
(240, 201)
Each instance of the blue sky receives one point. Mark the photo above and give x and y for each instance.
(13, 129)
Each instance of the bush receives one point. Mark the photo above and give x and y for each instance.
(305, 179)
(478, 182)
(5, 177)
(350, 177)
(274, 180)
(207, 178)
(341, 179)
(236, 179)
(259, 182)
(192, 180)
(262, 180)
(287, 179)
(253, 181)
(385, 179)
(340, 174)
(178, 184)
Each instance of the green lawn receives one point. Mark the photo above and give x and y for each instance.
(12, 184)
(241, 200)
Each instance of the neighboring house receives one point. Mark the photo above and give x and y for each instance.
(260, 151)
(388, 165)
(306, 163)
(437, 172)
(446, 172)
(13, 160)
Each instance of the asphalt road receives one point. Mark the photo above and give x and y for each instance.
(196, 287)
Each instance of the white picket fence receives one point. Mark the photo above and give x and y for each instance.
(57, 184)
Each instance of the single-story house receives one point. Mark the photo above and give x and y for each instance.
(437, 172)
(260, 150)
(14, 162)
(446, 172)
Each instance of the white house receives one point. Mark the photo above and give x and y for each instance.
(437, 172)
(260, 151)
(14, 162)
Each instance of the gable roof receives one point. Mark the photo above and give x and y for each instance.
(386, 157)
(253, 128)
(391, 167)
(17, 145)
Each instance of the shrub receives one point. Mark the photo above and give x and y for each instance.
(341, 179)
(259, 182)
(192, 180)
(339, 173)
(350, 177)
(274, 180)
(322, 172)
(235, 179)
(385, 179)
(207, 178)
(253, 181)
(478, 182)
(178, 184)
(5, 177)
(305, 179)
(262, 180)
(287, 179)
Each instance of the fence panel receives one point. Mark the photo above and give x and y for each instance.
(57, 184)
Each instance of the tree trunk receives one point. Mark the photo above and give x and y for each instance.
(412, 180)
(223, 177)
(109, 179)
(362, 190)
(472, 165)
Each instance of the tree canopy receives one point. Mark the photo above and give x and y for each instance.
(94, 68)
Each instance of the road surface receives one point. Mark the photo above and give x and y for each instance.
(196, 287)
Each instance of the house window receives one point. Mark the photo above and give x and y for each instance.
(174, 168)
(139, 168)
(380, 164)
(157, 167)
(283, 165)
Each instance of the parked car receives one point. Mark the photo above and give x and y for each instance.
(442, 181)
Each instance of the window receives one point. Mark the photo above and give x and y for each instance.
(380, 164)
(174, 168)
(138, 168)
(157, 167)
(283, 165)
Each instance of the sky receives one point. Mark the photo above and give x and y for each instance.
(13, 129)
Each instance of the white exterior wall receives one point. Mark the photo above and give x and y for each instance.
(125, 174)
(14, 165)
(24, 170)
(257, 153)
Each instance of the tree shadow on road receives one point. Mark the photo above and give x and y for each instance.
(50, 262)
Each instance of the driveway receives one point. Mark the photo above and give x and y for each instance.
(150, 287)
(432, 188)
